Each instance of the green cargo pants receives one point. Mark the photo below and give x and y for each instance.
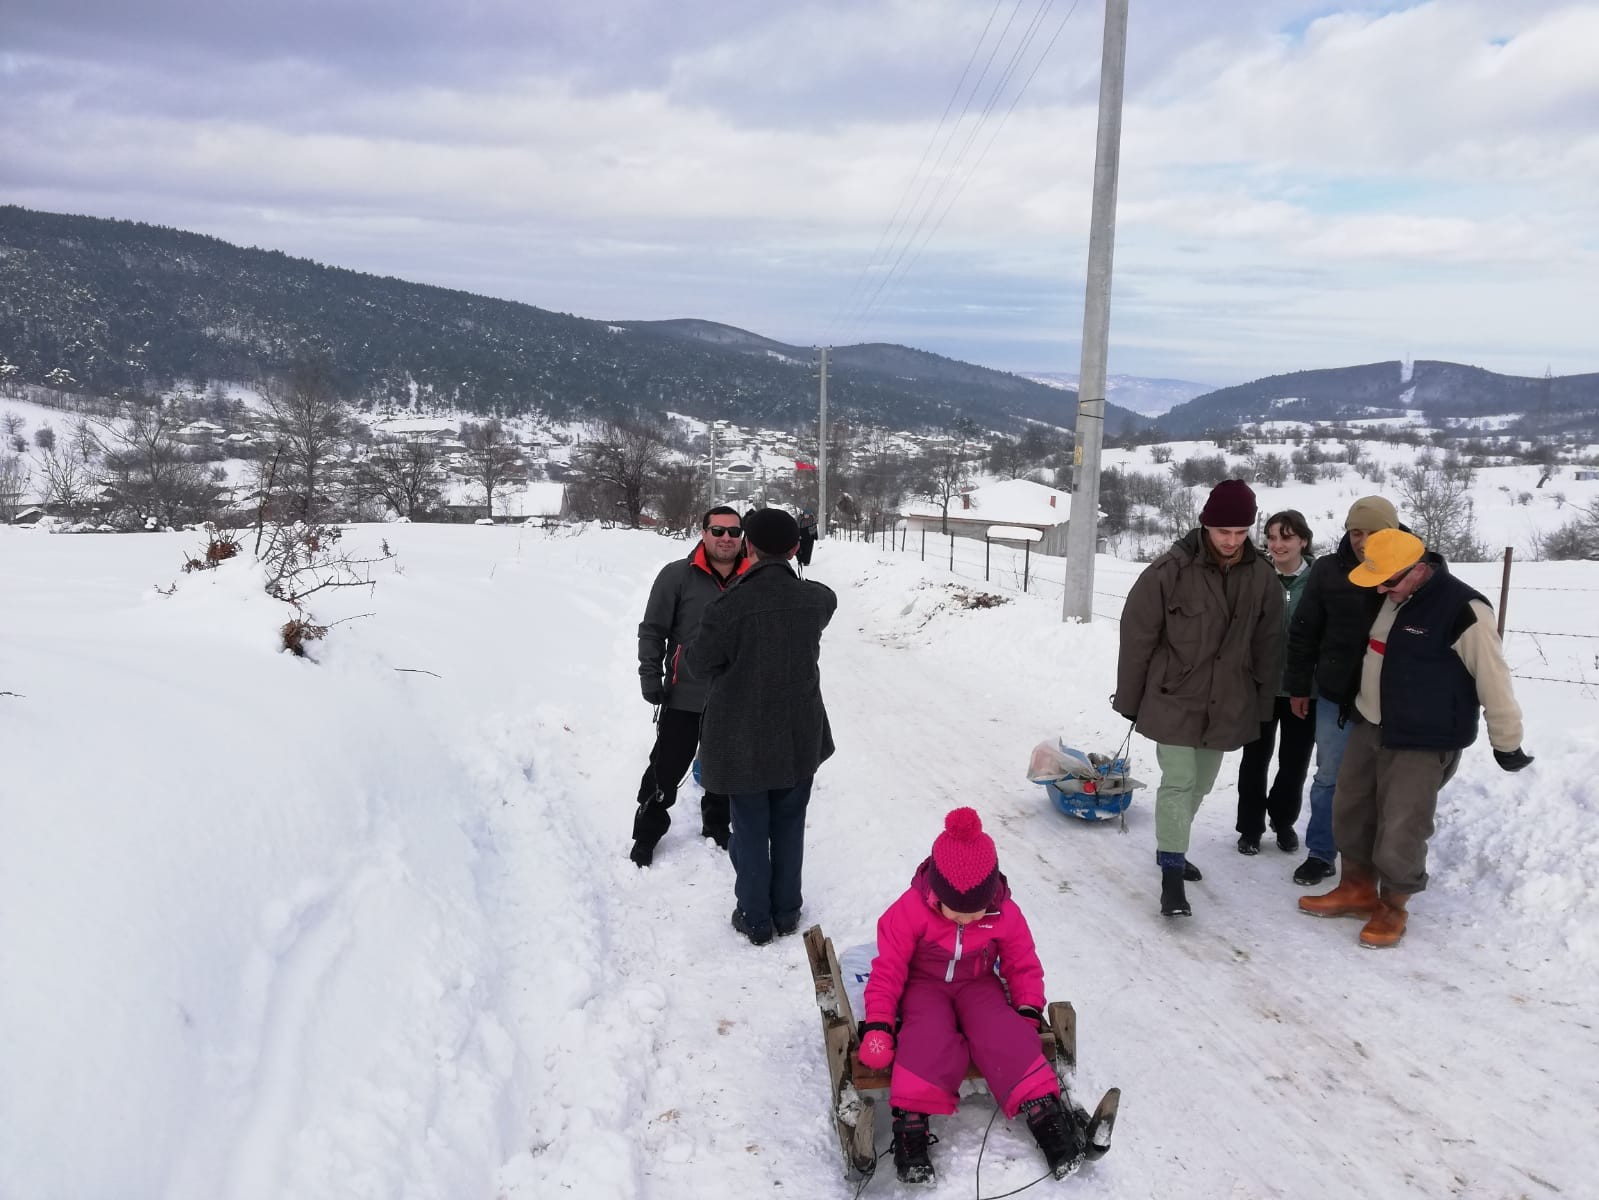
(1186, 777)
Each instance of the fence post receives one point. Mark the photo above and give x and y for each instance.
(1504, 592)
(1027, 563)
(924, 543)
(988, 551)
(952, 554)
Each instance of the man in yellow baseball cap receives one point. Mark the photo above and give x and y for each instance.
(1410, 725)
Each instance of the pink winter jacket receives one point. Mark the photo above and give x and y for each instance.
(916, 941)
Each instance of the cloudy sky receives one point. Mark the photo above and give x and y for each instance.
(1303, 184)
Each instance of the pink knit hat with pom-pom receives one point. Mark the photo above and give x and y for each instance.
(965, 874)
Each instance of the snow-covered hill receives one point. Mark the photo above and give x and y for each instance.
(366, 928)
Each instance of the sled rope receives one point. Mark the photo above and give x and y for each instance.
(977, 1188)
(1121, 757)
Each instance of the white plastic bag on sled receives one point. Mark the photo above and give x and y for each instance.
(1091, 787)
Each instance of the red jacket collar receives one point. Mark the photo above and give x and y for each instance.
(699, 560)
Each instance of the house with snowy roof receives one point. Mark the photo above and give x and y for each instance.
(1013, 503)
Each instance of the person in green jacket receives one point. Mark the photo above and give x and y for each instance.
(1288, 541)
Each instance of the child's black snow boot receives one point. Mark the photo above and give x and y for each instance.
(1173, 900)
(1057, 1135)
(910, 1147)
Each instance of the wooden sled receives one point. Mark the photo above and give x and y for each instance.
(854, 1114)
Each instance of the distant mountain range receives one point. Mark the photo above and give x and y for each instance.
(109, 306)
(1444, 393)
(1148, 397)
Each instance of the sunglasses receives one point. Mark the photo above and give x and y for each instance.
(732, 531)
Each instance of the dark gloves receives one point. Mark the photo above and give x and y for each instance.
(1133, 717)
(1512, 760)
(1034, 1015)
(877, 1045)
(654, 691)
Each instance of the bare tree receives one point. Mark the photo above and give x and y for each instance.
(1269, 470)
(306, 421)
(404, 475)
(68, 484)
(681, 497)
(946, 469)
(12, 423)
(1005, 458)
(491, 453)
(627, 457)
(14, 476)
(153, 474)
(44, 437)
(1438, 504)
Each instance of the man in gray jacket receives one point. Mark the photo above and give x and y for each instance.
(766, 729)
(671, 620)
(1201, 656)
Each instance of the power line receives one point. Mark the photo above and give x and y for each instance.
(994, 137)
(949, 104)
(895, 273)
(854, 319)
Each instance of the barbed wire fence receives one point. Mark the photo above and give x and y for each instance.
(1009, 567)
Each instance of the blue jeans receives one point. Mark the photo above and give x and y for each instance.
(768, 851)
(1330, 743)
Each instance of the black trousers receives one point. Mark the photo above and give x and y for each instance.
(1281, 803)
(677, 737)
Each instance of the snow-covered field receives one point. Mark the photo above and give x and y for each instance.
(275, 929)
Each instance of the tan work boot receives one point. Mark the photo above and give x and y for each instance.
(1355, 895)
(1387, 924)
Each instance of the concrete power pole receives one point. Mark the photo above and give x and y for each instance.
(821, 457)
(711, 429)
(1083, 532)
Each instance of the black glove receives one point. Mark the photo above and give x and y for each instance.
(1133, 717)
(1512, 760)
(1032, 1014)
(654, 692)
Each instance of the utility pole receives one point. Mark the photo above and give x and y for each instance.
(711, 429)
(821, 457)
(1083, 532)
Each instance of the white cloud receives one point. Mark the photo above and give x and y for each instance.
(1430, 151)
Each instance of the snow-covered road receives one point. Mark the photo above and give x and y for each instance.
(337, 931)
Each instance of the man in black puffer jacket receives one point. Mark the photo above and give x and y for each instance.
(1326, 645)
(766, 729)
(677, 602)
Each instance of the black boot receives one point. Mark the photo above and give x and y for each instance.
(1057, 1135)
(714, 818)
(1190, 872)
(910, 1147)
(650, 824)
(1173, 902)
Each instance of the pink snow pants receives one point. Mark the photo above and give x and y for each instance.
(946, 1027)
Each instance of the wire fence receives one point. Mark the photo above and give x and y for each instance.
(1013, 567)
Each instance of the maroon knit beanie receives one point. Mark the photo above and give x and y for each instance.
(965, 874)
(1231, 506)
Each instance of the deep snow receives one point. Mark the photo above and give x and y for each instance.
(281, 929)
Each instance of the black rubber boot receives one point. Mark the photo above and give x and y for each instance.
(714, 818)
(910, 1144)
(1057, 1135)
(1173, 902)
(650, 824)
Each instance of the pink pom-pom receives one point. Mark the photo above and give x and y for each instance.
(963, 824)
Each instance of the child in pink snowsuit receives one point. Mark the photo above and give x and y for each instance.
(934, 979)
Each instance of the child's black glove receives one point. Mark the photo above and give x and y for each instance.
(1034, 1015)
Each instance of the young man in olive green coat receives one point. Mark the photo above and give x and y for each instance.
(1200, 661)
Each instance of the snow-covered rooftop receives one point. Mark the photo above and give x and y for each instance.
(1009, 502)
